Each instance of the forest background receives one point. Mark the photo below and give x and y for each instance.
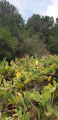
(17, 38)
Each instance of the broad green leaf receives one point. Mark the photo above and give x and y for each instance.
(7, 95)
(49, 108)
(27, 100)
(54, 83)
(19, 113)
(27, 81)
(13, 98)
(56, 112)
(46, 70)
(37, 96)
(4, 82)
(3, 116)
(48, 113)
(27, 116)
(43, 101)
(49, 78)
(11, 101)
(47, 94)
(27, 93)
(23, 117)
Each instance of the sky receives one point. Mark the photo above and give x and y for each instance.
(42, 7)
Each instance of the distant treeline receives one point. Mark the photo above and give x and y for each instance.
(38, 36)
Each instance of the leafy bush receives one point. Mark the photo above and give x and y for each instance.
(28, 88)
(34, 45)
(8, 44)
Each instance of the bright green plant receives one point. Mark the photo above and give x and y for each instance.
(28, 88)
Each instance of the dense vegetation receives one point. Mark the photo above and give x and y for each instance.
(11, 26)
(39, 35)
(28, 85)
(29, 89)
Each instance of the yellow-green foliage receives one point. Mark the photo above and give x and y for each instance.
(31, 85)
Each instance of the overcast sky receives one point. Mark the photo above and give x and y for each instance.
(43, 7)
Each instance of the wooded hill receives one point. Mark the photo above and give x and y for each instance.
(38, 36)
